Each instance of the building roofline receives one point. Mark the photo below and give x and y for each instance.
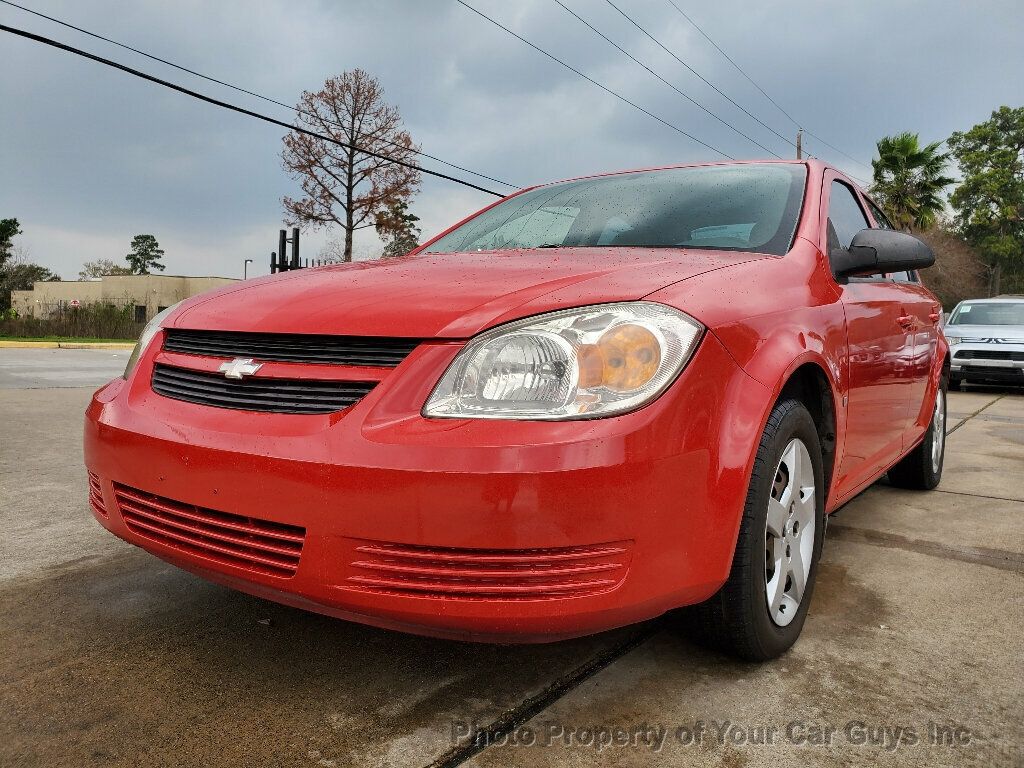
(183, 277)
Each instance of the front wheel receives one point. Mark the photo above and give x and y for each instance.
(759, 612)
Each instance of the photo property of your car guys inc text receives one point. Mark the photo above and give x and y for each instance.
(469, 383)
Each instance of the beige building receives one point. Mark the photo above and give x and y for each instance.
(148, 294)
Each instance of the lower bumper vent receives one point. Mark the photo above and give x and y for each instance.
(246, 542)
(487, 574)
(96, 494)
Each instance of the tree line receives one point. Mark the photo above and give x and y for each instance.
(981, 246)
(19, 273)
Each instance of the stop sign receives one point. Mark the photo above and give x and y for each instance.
(75, 303)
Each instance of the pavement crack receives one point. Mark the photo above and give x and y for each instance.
(978, 495)
(994, 558)
(971, 416)
(534, 705)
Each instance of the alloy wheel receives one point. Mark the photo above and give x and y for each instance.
(789, 533)
(938, 430)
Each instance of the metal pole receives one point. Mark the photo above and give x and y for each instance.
(273, 263)
(245, 269)
(282, 249)
(800, 144)
(295, 248)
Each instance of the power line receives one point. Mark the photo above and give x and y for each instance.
(662, 79)
(762, 90)
(243, 90)
(240, 110)
(604, 88)
(737, 66)
(700, 76)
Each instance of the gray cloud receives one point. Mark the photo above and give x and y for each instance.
(90, 157)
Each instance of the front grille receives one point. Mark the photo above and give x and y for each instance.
(96, 494)
(487, 574)
(988, 371)
(245, 542)
(989, 354)
(270, 395)
(372, 351)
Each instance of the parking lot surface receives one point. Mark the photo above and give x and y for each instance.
(911, 655)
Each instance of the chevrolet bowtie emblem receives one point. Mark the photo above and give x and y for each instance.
(239, 367)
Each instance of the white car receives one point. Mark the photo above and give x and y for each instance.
(986, 341)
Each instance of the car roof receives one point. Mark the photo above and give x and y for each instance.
(1005, 299)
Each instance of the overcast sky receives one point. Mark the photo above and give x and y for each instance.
(90, 157)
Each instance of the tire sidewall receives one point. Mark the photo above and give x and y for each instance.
(933, 477)
(797, 423)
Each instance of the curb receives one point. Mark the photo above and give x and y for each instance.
(65, 345)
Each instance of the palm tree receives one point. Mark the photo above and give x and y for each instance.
(908, 180)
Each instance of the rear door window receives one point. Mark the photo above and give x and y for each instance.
(880, 218)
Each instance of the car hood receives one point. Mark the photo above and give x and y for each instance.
(451, 295)
(1013, 334)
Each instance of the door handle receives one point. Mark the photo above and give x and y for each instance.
(906, 322)
(933, 316)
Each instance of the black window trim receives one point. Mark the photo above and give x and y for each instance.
(859, 198)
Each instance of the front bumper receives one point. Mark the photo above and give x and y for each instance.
(978, 361)
(482, 530)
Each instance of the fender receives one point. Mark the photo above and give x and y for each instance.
(784, 345)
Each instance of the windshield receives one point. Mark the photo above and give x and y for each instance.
(989, 313)
(730, 207)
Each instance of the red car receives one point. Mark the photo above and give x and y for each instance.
(586, 405)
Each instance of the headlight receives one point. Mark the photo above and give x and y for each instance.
(151, 330)
(953, 339)
(573, 364)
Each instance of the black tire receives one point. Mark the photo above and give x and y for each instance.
(917, 470)
(737, 619)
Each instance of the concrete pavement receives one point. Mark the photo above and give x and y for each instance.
(111, 657)
(52, 368)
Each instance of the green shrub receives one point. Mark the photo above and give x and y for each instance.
(98, 320)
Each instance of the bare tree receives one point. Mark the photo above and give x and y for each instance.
(333, 252)
(343, 186)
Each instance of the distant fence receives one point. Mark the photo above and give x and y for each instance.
(99, 320)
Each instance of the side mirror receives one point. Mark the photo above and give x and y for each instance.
(874, 251)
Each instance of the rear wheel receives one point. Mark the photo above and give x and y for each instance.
(921, 469)
(759, 612)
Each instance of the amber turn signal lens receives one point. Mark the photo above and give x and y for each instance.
(591, 366)
(625, 358)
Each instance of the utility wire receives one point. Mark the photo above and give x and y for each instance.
(762, 90)
(662, 79)
(699, 76)
(243, 90)
(591, 80)
(240, 110)
(730, 60)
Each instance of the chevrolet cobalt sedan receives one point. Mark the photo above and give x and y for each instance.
(586, 405)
